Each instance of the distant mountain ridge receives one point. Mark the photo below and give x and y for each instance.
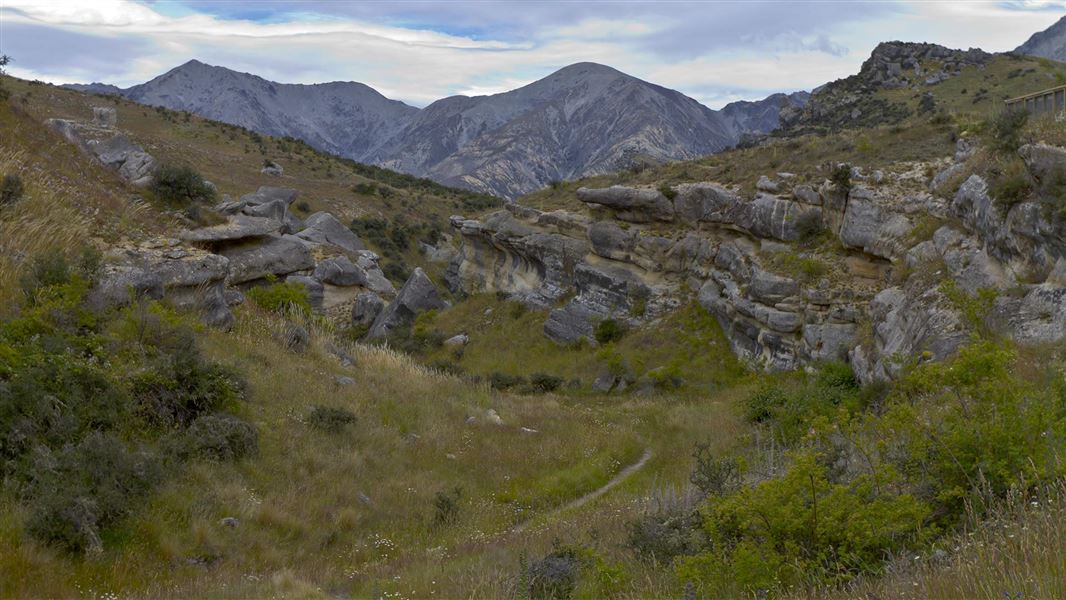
(1050, 43)
(582, 120)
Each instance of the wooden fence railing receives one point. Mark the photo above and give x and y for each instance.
(1047, 101)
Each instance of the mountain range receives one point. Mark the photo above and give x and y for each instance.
(582, 120)
(1050, 43)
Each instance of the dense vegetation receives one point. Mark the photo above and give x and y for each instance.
(96, 409)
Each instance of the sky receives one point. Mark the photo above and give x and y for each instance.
(715, 51)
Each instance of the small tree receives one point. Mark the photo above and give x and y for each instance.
(181, 185)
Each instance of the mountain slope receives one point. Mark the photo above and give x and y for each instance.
(344, 118)
(1050, 43)
(583, 119)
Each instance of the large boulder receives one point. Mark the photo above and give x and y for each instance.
(416, 296)
(611, 241)
(706, 202)
(272, 255)
(1047, 165)
(366, 309)
(375, 278)
(237, 227)
(130, 160)
(768, 216)
(188, 281)
(324, 228)
(873, 227)
(630, 204)
(340, 271)
(571, 323)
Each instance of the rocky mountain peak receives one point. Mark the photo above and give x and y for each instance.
(1050, 43)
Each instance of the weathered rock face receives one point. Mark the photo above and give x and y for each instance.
(1025, 235)
(238, 227)
(366, 309)
(873, 225)
(774, 322)
(631, 258)
(606, 292)
(630, 204)
(416, 296)
(273, 255)
(340, 271)
(189, 280)
(324, 228)
(113, 150)
(507, 255)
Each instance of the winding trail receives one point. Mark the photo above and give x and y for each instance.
(596, 493)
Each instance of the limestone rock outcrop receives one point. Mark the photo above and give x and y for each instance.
(417, 295)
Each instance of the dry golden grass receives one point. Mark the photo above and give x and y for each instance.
(306, 527)
(68, 202)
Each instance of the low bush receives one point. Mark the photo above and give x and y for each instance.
(281, 297)
(1005, 130)
(712, 475)
(609, 330)
(503, 381)
(446, 506)
(89, 403)
(217, 437)
(946, 441)
(11, 189)
(840, 176)
(78, 490)
(330, 419)
(180, 185)
(1011, 183)
(544, 383)
(664, 535)
(555, 576)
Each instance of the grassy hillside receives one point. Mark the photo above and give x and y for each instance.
(407, 209)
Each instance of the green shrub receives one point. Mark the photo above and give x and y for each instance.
(81, 489)
(841, 178)
(713, 475)
(609, 330)
(556, 575)
(544, 383)
(664, 535)
(1011, 183)
(809, 225)
(180, 386)
(11, 189)
(180, 185)
(47, 269)
(668, 191)
(1005, 130)
(330, 419)
(764, 403)
(503, 381)
(218, 437)
(446, 506)
(281, 297)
